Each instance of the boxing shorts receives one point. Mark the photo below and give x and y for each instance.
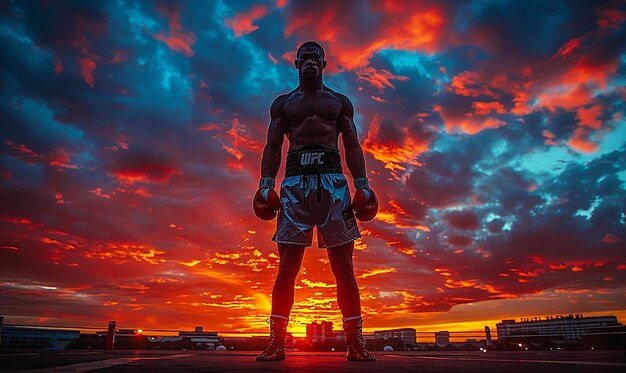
(314, 193)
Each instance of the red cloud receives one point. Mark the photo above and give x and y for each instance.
(569, 47)
(470, 125)
(177, 39)
(459, 240)
(236, 142)
(407, 26)
(581, 142)
(241, 23)
(610, 19)
(143, 165)
(462, 219)
(484, 108)
(470, 84)
(589, 117)
(394, 154)
(378, 79)
(87, 67)
(587, 73)
(610, 238)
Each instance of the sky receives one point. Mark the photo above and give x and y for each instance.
(132, 132)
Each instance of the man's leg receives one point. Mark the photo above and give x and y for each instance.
(282, 300)
(347, 289)
(349, 301)
(288, 268)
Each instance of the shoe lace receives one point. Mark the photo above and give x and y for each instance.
(274, 340)
(358, 335)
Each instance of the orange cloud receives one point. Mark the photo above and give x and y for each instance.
(191, 263)
(469, 124)
(378, 79)
(241, 23)
(413, 28)
(484, 108)
(589, 117)
(158, 173)
(469, 84)
(375, 272)
(237, 141)
(580, 141)
(549, 137)
(123, 252)
(394, 156)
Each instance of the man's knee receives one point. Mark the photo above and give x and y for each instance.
(290, 261)
(340, 258)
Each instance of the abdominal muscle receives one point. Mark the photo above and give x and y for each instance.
(313, 131)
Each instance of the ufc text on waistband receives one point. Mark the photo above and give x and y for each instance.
(313, 160)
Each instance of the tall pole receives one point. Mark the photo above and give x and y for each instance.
(488, 338)
(110, 342)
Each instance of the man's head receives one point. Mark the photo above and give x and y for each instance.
(310, 60)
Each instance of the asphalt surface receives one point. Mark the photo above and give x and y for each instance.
(230, 361)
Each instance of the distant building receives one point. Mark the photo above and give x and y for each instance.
(322, 331)
(407, 335)
(442, 338)
(202, 340)
(568, 327)
(565, 331)
(26, 337)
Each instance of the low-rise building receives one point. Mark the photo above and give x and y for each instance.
(571, 331)
(322, 331)
(407, 335)
(202, 339)
(29, 337)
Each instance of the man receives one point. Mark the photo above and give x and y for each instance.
(314, 193)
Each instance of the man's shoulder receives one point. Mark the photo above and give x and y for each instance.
(279, 102)
(339, 96)
(280, 99)
(345, 100)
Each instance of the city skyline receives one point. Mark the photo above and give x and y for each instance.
(493, 133)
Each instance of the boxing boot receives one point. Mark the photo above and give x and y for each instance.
(276, 347)
(354, 340)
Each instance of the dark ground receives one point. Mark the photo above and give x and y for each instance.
(388, 362)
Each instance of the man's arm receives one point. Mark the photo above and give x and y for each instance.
(266, 201)
(270, 162)
(354, 154)
(364, 202)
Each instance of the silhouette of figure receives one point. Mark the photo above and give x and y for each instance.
(313, 193)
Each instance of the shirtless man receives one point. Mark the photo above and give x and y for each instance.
(314, 193)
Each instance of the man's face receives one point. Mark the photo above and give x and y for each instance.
(310, 62)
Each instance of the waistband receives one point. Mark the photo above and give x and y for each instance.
(313, 160)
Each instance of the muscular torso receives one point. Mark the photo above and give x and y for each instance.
(312, 119)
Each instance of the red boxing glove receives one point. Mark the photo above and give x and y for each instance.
(365, 204)
(266, 203)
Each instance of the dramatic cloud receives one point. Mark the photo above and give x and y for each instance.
(494, 136)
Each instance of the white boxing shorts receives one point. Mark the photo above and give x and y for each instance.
(311, 197)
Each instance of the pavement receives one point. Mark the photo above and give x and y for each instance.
(389, 362)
